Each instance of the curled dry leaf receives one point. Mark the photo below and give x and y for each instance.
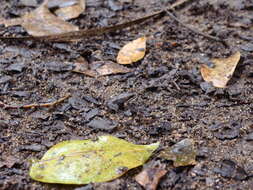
(150, 176)
(99, 68)
(182, 153)
(67, 9)
(132, 52)
(222, 71)
(87, 161)
(41, 22)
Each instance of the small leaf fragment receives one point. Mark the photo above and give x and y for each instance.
(222, 71)
(87, 161)
(41, 22)
(99, 68)
(150, 176)
(132, 52)
(71, 11)
(182, 153)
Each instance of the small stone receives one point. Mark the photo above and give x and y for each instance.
(226, 130)
(182, 153)
(249, 137)
(117, 102)
(20, 94)
(30, 3)
(33, 147)
(230, 169)
(247, 47)
(5, 79)
(59, 67)
(91, 114)
(115, 5)
(100, 123)
(207, 87)
(16, 67)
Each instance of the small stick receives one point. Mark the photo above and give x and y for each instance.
(34, 105)
(195, 30)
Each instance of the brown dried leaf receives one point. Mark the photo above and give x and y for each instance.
(112, 68)
(133, 51)
(99, 68)
(70, 12)
(149, 177)
(222, 71)
(41, 22)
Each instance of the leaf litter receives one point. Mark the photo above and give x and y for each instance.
(222, 71)
(98, 68)
(150, 175)
(87, 161)
(41, 22)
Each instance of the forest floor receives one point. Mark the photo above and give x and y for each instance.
(170, 100)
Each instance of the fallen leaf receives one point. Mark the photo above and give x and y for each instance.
(133, 51)
(109, 68)
(69, 9)
(182, 153)
(41, 22)
(87, 161)
(99, 68)
(150, 176)
(222, 71)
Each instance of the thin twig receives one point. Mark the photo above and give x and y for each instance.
(195, 30)
(34, 105)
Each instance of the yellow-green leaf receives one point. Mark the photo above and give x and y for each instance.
(86, 161)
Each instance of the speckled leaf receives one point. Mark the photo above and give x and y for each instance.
(132, 52)
(222, 71)
(86, 161)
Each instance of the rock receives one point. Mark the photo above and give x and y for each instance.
(117, 102)
(207, 87)
(4, 124)
(249, 137)
(30, 3)
(77, 103)
(115, 5)
(229, 169)
(247, 47)
(100, 123)
(91, 114)
(39, 115)
(16, 67)
(182, 153)
(59, 67)
(226, 130)
(33, 147)
(5, 79)
(91, 99)
(20, 94)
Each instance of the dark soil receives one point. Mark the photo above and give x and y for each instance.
(165, 99)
